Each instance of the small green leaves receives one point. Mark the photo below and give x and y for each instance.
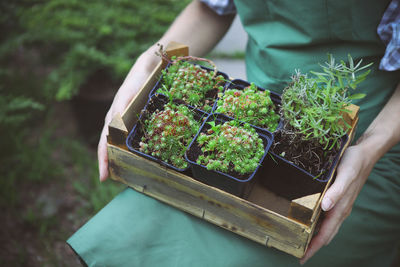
(356, 96)
(191, 83)
(167, 133)
(250, 105)
(229, 145)
(323, 96)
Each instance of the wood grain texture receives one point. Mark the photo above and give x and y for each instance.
(209, 203)
(117, 132)
(177, 49)
(302, 209)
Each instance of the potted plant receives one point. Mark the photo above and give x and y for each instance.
(164, 131)
(307, 147)
(192, 84)
(227, 153)
(249, 103)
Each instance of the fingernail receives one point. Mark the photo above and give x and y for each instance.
(326, 204)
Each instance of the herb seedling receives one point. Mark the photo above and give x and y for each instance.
(312, 106)
(312, 109)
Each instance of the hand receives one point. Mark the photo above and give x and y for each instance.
(352, 173)
(130, 87)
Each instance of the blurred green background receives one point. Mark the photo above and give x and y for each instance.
(61, 63)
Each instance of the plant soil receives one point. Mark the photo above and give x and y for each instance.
(211, 97)
(305, 154)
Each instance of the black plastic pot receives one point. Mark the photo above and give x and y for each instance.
(160, 81)
(241, 84)
(134, 137)
(239, 185)
(289, 180)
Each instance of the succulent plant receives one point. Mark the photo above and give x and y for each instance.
(229, 147)
(250, 105)
(168, 132)
(191, 83)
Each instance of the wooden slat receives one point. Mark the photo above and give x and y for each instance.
(117, 132)
(302, 209)
(177, 49)
(209, 203)
(351, 116)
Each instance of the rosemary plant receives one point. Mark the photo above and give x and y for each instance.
(313, 104)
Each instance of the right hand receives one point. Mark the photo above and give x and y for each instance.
(130, 87)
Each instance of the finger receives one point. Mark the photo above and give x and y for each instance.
(318, 240)
(333, 235)
(329, 228)
(102, 156)
(345, 176)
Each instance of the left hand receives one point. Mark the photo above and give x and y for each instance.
(352, 172)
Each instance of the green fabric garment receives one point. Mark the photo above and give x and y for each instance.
(135, 230)
(284, 36)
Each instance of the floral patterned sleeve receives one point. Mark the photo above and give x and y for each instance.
(389, 32)
(221, 7)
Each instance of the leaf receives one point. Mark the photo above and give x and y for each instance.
(357, 96)
(350, 61)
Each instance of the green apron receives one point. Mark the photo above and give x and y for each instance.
(136, 230)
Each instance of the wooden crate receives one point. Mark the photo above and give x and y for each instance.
(264, 217)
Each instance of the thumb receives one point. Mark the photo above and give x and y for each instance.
(343, 180)
(103, 157)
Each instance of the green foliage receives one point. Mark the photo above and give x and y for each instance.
(48, 51)
(75, 39)
(192, 84)
(226, 145)
(250, 105)
(167, 133)
(313, 104)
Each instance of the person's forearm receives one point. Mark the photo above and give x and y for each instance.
(197, 26)
(384, 131)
